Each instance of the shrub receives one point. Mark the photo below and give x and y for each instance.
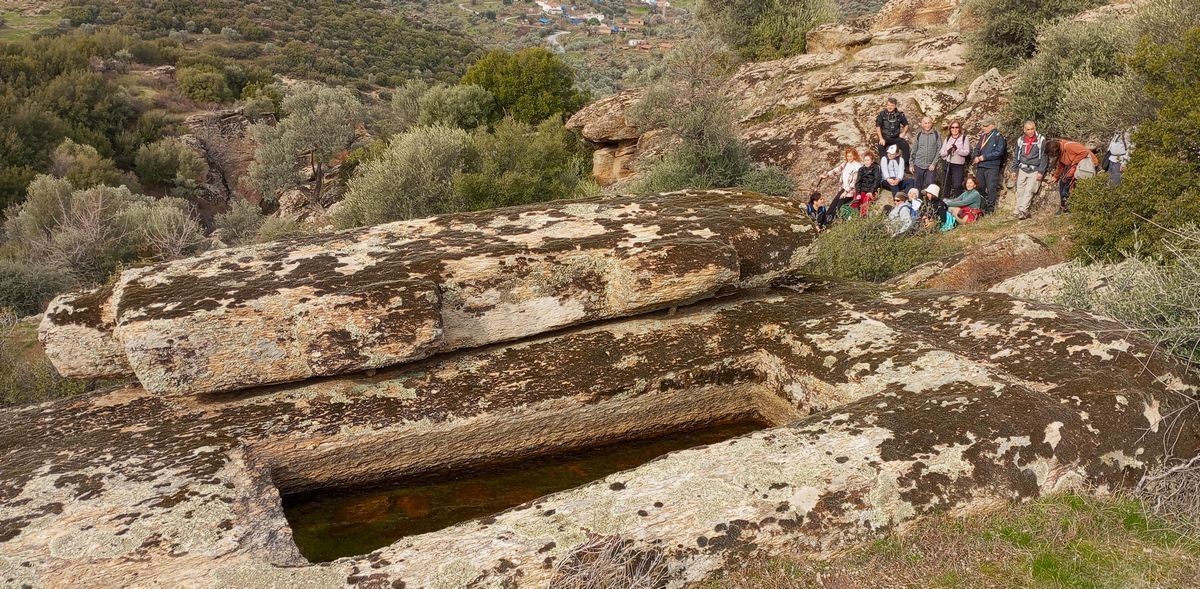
(530, 85)
(1008, 29)
(520, 163)
(765, 29)
(705, 149)
(1077, 58)
(168, 161)
(26, 287)
(864, 250)
(1157, 298)
(278, 228)
(239, 225)
(84, 167)
(771, 180)
(165, 229)
(204, 83)
(406, 104)
(413, 178)
(465, 107)
(1161, 187)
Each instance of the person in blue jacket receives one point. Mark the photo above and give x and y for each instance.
(988, 153)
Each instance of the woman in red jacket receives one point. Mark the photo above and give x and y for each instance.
(1073, 161)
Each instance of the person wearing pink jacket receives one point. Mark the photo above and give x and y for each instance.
(954, 152)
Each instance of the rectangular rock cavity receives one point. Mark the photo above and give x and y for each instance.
(349, 497)
(336, 523)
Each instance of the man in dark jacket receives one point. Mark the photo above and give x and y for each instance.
(988, 153)
(891, 128)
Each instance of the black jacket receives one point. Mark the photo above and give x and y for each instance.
(868, 179)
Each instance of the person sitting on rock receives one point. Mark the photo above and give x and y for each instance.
(816, 209)
(925, 153)
(934, 214)
(988, 154)
(892, 170)
(867, 185)
(846, 171)
(891, 128)
(1073, 161)
(954, 153)
(914, 198)
(902, 216)
(966, 207)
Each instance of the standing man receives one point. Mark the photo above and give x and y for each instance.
(925, 153)
(1029, 165)
(1118, 156)
(988, 153)
(891, 127)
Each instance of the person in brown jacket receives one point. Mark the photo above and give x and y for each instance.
(1073, 161)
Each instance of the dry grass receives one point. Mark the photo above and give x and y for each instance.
(26, 376)
(1070, 541)
(608, 562)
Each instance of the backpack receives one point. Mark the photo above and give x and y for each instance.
(891, 123)
(1086, 168)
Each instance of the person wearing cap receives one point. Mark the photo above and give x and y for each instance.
(892, 170)
(966, 207)
(891, 128)
(1029, 166)
(988, 152)
(902, 216)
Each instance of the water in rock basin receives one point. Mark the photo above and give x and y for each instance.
(331, 524)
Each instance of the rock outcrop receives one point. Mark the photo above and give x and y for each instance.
(888, 406)
(380, 296)
(801, 111)
(1046, 284)
(220, 139)
(983, 267)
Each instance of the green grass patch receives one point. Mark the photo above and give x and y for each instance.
(20, 26)
(1069, 541)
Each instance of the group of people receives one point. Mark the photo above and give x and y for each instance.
(946, 180)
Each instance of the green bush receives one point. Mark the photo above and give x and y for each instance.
(520, 163)
(167, 162)
(765, 29)
(240, 223)
(413, 178)
(279, 228)
(204, 83)
(1161, 188)
(530, 85)
(771, 180)
(84, 167)
(864, 250)
(699, 120)
(462, 106)
(1007, 30)
(1064, 87)
(27, 287)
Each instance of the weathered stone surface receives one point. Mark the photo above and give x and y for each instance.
(606, 120)
(922, 402)
(982, 267)
(916, 13)
(220, 139)
(369, 298)
(946, 51)
(862, 77)
(834, 37)
(762, 87)
(76, 333)
(1046, 284)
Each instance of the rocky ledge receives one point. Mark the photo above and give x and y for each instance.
(888, 405)
(385, 295)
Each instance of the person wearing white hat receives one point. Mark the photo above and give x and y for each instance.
(893, 168)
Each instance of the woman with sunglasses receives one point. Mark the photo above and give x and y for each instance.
(954, 152)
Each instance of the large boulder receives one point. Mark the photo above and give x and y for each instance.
(884, 406)
(981, 268)
(380, 296)
(1048, 283)
(834, 37)
(916, 13)
(607, 120)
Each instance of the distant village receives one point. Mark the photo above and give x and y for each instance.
(596, 23)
